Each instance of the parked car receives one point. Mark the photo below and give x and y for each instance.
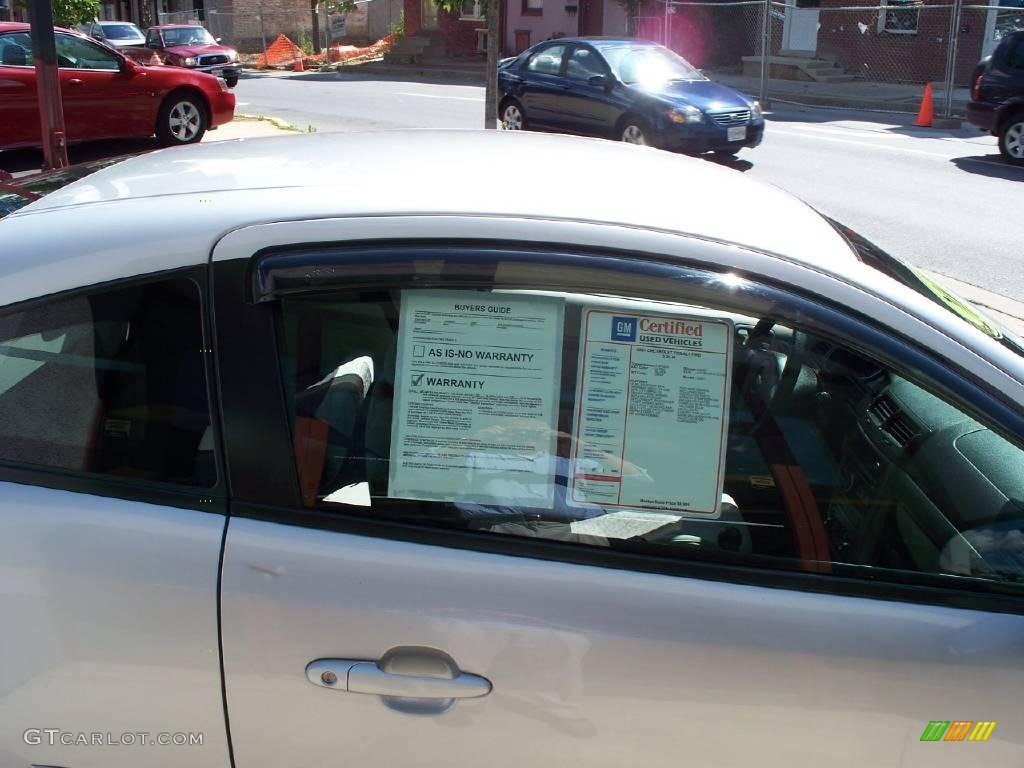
(105, 95)
(627, 89)
(594, 477)
(116, 34)
(997, 96)
(190, 46)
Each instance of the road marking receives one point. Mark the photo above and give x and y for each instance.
(241, 103)
(868, 144)
(850, 132)
(432, 96)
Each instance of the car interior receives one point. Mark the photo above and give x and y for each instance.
(834, 463)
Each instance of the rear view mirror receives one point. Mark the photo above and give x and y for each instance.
(219, 39)
(600, 81)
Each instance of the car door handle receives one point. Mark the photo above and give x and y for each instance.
(410, 673)
(74, 81)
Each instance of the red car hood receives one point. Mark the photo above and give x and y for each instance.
(195, 50)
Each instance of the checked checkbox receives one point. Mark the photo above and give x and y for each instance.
(417, 379)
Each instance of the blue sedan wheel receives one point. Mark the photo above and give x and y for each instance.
(634, 133)
(512, 117)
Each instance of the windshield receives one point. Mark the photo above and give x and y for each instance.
(121, 31)
(648, 65)
(188, 36)
(931, 287)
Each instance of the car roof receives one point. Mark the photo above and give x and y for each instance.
(112, 22)
(598, 41)
(471, 173)
(21, 26)
(177, 26)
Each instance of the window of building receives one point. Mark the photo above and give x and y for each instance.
(472, 10)
(675, 430)
(533, 7)
(900, 17)
(111, 383)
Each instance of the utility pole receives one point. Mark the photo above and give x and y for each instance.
(51, 110)
(493, 43)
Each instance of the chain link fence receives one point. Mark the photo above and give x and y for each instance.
(836, 53)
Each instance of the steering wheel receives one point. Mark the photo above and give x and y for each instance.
(771, 376)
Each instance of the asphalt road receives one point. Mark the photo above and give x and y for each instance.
(940, 199)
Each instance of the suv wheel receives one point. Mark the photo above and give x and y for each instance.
(1011, 139)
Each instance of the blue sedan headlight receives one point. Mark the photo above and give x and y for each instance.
(685, 114)
(757, 111)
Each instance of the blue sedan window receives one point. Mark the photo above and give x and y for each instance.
(548, 61)
(583, 65)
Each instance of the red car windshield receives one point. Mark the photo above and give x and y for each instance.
(187, 36)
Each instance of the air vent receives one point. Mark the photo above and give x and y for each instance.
(895, 422)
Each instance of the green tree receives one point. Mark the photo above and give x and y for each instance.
(70, 13)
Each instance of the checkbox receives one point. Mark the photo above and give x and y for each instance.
(417, 379)
(418, 350)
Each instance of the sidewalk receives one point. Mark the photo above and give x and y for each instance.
(250, 127)
(888, 97)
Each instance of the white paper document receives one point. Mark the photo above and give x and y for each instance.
(651, 417)
(476, 398)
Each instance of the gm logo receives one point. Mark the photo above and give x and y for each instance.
(623, 328)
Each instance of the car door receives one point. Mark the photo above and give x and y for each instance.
(544, 85)
(111, 523)
(20, 125)
(592, 107)
(100, 100)
(440, 509)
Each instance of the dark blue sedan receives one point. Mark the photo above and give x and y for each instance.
(632, 90)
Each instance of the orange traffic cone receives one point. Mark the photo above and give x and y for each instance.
(300, 67)
(924, 115)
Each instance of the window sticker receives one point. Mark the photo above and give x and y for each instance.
(651, 413)
(476, 398)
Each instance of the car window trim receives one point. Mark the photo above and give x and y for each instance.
(99, 48)
(385, 264)
(589, 49)
(115, 486)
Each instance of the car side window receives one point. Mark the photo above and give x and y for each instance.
(676, 430)
(76, 53)
(16, 49)
(109, 383)
(1015, 59)
(547, 61)
(583, 65)
(153, 39)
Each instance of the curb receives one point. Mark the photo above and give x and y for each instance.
(276, 122)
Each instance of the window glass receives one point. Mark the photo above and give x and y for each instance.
(648, 64)
(16, 49)
(902, 16)
(583, 65)
(533, 5)
(548, 61)
(187, 36)
(111, 383)
(645, 426)
(1016, 57)
(76, 53)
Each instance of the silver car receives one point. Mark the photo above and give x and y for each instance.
(625, 460)
(117, 34)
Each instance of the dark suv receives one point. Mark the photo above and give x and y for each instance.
(997, 96)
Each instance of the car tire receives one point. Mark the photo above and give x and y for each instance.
(726, 154)
(1011, 139)
(181, 120)
(512, 116)
(634, 131)
(231, 81)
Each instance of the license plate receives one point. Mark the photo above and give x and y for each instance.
(220, 73)
(736, 134)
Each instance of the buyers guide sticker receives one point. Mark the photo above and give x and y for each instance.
(651, 412)
(476, 395)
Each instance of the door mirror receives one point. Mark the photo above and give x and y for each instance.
(130, 66)
(601, 81)
(218, 39)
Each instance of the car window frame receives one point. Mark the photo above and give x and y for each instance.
(561, 66)
(211, 499)
(264, 478)
(102, 50)
(590, 49)
(29, 62)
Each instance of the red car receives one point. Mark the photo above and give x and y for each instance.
(105, 94)
(191, 46)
